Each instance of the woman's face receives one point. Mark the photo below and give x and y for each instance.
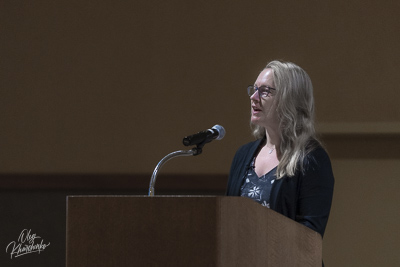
(263, 110)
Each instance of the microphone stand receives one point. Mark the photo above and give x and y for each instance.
(193, 152)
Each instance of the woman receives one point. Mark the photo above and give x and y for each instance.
(286, 169)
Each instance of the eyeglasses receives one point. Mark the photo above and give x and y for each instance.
(263, 91)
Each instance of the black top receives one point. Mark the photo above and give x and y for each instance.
(258, 188)
(305, 197)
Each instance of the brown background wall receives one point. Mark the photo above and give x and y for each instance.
(106, 89)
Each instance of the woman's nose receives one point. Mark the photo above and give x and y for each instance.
(255, 96)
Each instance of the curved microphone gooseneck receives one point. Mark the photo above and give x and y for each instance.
(200, 139)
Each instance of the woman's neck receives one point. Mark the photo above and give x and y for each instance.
(272, 138)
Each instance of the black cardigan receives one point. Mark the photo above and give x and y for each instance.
(305, 197)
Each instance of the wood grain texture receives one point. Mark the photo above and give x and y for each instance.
(184, 231)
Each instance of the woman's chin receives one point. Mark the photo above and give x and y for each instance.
(256, 120)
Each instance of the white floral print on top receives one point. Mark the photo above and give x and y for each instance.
(258, 188)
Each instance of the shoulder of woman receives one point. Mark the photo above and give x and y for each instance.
(316, 157)
(248, 148)
(250, 145)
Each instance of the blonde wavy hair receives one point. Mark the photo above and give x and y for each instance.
(295, 109)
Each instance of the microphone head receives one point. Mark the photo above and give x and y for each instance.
(220, 130)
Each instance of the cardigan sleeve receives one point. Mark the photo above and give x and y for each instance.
(239, 167)
(235, 172)
(315, 191)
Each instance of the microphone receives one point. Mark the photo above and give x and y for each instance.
(216, 132)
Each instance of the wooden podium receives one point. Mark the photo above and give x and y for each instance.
(184, 231)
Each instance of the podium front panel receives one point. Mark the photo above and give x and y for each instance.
(184, 231)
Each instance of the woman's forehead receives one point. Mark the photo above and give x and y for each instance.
(266, 77)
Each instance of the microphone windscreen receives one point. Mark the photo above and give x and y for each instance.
(220, 130)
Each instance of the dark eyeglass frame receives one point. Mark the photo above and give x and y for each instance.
(263, 91)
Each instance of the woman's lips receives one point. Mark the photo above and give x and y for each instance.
(256, 111)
